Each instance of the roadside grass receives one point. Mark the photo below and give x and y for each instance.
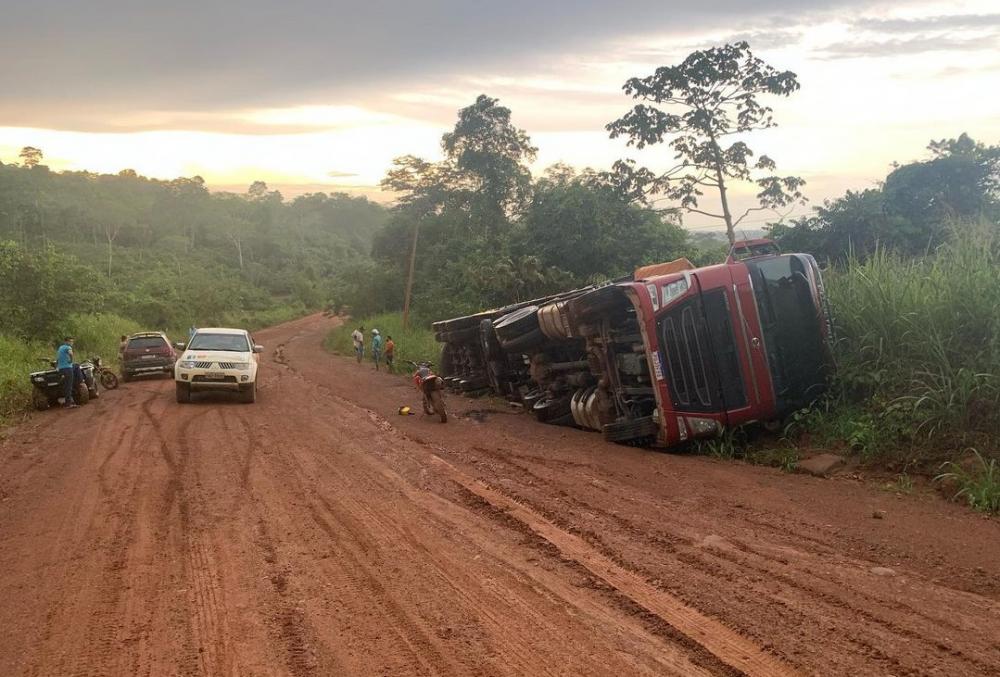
(917, 352)
(978, 485)
(416, 343)
(96, 334)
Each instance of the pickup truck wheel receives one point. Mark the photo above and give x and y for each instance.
(249, 396)
(628, 431)
(183, 392)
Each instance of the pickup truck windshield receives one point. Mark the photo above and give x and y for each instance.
(231, 342)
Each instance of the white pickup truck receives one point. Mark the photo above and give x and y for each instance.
(218, 359)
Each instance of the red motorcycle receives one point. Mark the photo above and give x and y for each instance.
(430, 386)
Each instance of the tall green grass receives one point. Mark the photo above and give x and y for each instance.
(416, 343)
(918, 351)
(96, 334)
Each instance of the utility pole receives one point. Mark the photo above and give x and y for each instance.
(409, 277)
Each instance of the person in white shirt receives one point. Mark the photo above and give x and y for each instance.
(359, 343)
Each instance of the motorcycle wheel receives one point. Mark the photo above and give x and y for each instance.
(438, 401)
(81, 394)
(108, 380)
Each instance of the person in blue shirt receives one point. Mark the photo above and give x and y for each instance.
(376, 347)
(64, 363)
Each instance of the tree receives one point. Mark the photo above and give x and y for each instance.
(30, 156)
(488, 149)
(581, 225)
(711, 95)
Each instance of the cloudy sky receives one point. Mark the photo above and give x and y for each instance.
(322, 94)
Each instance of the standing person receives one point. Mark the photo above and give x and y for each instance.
(376, 347)
(64, 363)
(122, 342)
(390, 349)
(359, 342)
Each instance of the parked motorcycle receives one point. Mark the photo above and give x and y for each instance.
(108, 378)
(430, 386)
(47, 386)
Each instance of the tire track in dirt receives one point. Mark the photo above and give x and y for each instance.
(731, 648)
(829, 597)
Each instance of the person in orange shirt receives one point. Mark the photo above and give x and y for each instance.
(390, 349)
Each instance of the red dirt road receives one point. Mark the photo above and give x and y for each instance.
(317, 533)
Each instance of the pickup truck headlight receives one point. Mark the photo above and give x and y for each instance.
(241, 366)
(187, 364)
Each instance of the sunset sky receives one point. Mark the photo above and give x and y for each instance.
(321, 94)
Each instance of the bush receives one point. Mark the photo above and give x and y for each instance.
(18, 358)
(416, 343)
(918, 351)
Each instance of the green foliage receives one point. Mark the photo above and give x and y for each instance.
(38, 290)
(918, 352)
(712, 94)
(18, 358)
(979, 485)
(96, 334)
(911, 213)
(415, 343)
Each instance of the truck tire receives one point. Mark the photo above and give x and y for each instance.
(490, 342)
(629, 431)
(183, 392)
(516, 324)
(525, 342)
(549, 409)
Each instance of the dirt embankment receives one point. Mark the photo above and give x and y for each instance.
(316, 533)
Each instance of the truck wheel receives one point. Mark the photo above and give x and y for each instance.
(40, 400)
(183, 392)
(489, 341)
(549, 409)
(249, 396)
(81, 394)
(513, 325)
(524, 342)
(629, 431)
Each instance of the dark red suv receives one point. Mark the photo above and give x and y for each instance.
(147, 353)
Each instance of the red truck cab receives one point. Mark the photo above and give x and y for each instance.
(744, 341)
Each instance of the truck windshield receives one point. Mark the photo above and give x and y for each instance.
(229, 342)
(790, 323)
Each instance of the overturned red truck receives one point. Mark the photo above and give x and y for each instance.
(667, 355)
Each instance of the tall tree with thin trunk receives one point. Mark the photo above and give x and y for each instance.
(711, 96)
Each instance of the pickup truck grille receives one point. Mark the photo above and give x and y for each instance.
(203, 365)
(227, 365)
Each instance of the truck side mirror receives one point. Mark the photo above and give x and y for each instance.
(258, 348)
(179, 345)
